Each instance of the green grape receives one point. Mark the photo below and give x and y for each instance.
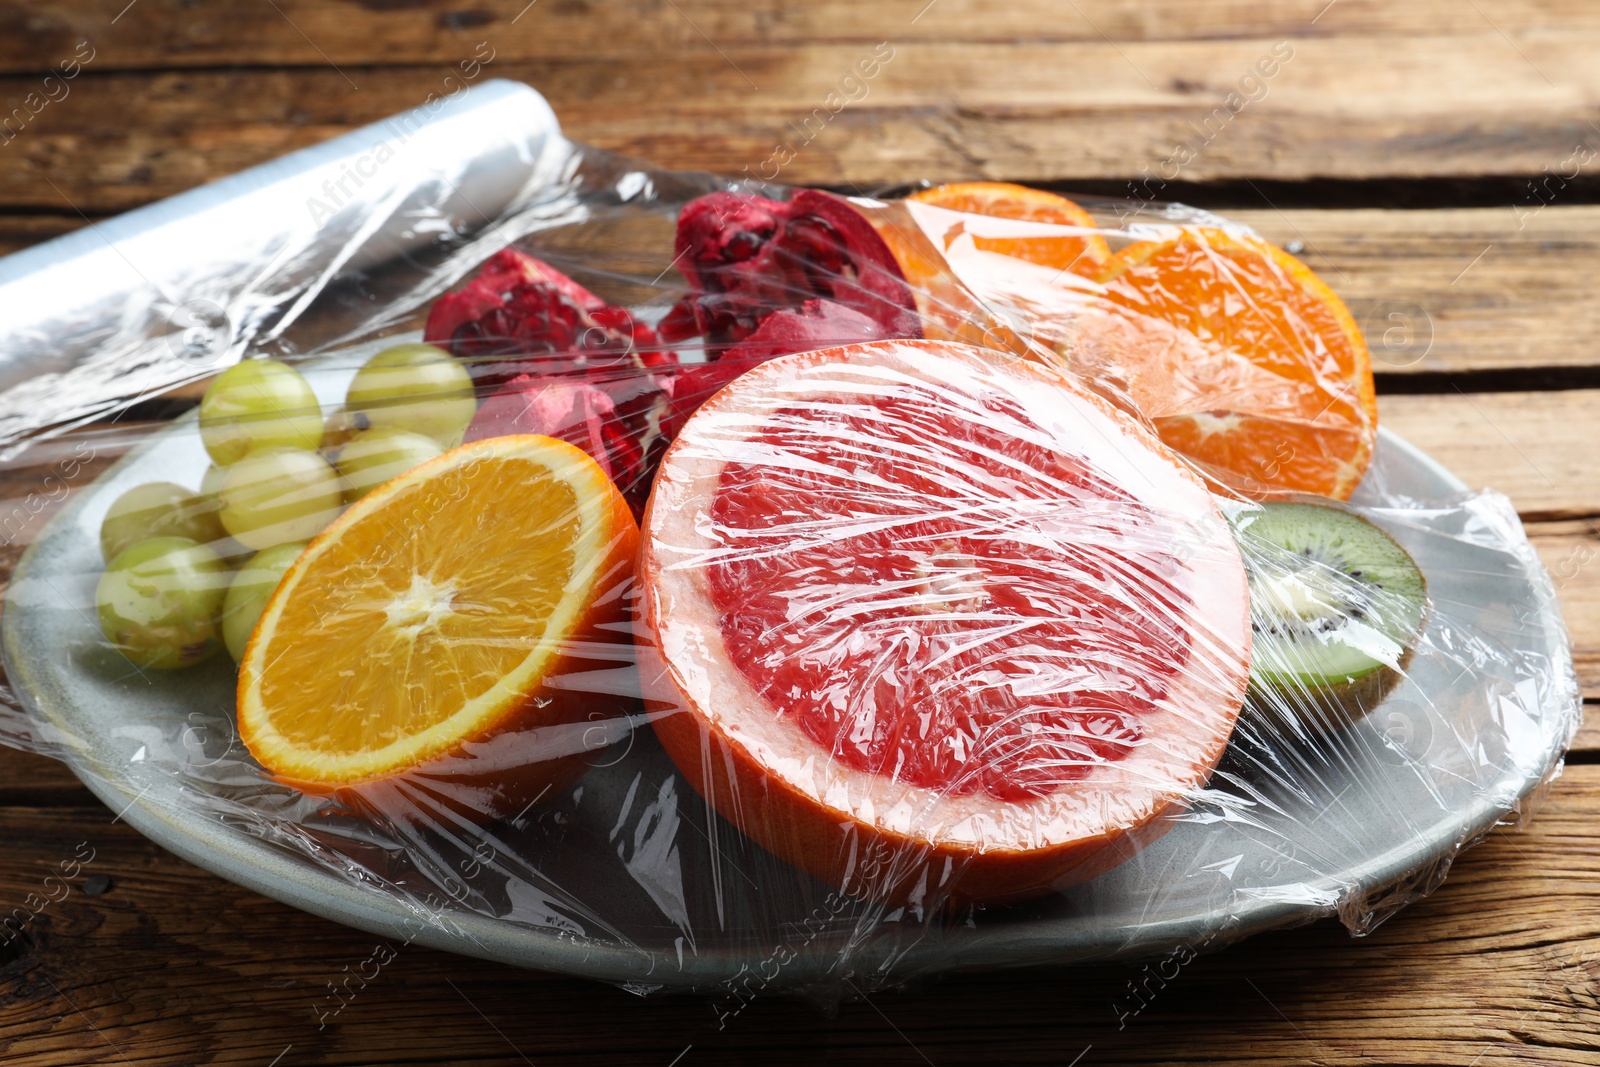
(414, 387)
(277, 496)
(374, 456)
(211, 482)
(248, 595)
(211, 492)
(158, 509)
(258, 404)
(159, 601)
(342, 424)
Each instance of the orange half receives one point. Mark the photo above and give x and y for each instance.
(1080, 253)
(1271, 386)
(425, 632)
(980, 255)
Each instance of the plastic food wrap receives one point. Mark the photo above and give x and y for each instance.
(690, 584)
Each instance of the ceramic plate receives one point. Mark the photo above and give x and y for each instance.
(1345, 829)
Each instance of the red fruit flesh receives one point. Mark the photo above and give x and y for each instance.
(746, 256)
(942, 614)
(499, 276)
(518, 305)
(815, 324)
(578, 412)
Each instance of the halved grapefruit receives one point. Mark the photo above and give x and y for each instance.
(932, 621)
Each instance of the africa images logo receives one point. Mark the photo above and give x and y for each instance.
(365, 166)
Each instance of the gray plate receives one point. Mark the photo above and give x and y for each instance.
(1298, 832)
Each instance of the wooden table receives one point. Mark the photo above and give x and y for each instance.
(1436, 159)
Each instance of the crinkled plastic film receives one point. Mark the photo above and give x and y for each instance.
(914, 648)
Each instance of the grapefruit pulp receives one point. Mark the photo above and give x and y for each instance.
(927, 620)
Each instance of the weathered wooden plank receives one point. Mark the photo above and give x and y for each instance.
(1418, 106)
(1587, 741)
(172, 33)
(1454, 291)
(172, 966)
(1429, 105)
(1451, 291)
(30, 780)
(1571, 553)
(1540, 449)
(22, 231)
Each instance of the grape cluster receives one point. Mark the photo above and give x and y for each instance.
(188, 572)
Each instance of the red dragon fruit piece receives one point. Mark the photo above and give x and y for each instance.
(507, 270)
(584, 372)
(814, 324)
(746, 256)
(575, 411)
(518, 305)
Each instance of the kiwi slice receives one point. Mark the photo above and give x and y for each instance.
(1336, 607)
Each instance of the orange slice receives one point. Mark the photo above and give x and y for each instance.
(978, 255)
(1081, 253)
(421, 640)
(1275, 378)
